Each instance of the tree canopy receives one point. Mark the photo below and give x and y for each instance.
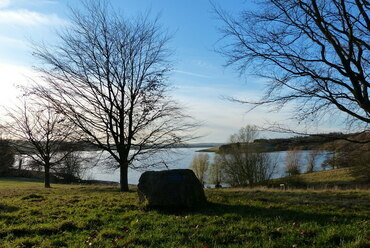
(315, 53)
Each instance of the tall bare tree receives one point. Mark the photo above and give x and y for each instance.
(245, 134)
(311, 160)
(292, 162)
(108, 75)
(41, 134)
(216, 171)
(313, 52)
(199, 165)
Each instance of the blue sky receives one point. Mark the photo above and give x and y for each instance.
(200, 81)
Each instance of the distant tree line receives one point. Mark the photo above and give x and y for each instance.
(239, 164)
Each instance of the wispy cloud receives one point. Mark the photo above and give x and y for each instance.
(46, 2)
(192, 74)
(7, 3)
(29, 18)
(4, 3)
(205, 65)
(13, 76)
(14, 42)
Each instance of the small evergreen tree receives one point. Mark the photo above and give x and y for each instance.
(7, 155)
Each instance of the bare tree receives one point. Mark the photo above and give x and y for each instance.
(73, 166)
(108, 75)
(292, 162)
(245, 134)
(200, 166)
(313, 52)
(311, 159)
(216, 171)
(41, 134)
(244, 166)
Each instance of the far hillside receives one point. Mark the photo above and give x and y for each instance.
(344, 178)
(330, 142)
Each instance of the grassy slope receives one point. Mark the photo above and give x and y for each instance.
(342, 177)
(100, 216)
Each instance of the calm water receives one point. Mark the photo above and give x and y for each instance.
(181, 159)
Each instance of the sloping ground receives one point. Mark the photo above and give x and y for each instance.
(100, 216)
(337, 177)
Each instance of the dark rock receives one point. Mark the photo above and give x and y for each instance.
(171, 188)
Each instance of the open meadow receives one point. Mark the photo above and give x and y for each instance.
(101, 216)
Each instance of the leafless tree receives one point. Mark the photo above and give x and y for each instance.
(73, 166)
(41, 134)
(311, 159)
(216, 171)
(108, 75)
(315, 53)
(199, 165)
(244, 166)
(292, 162)
(246, 134)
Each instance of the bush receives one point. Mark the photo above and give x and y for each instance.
(242, 167)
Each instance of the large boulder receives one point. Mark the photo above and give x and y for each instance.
(171, 188)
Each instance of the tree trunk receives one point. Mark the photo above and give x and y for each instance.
(47, 176)
(124, 177)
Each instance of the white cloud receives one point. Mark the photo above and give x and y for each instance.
(220, 117)
(44, 2)
(4, 3)
(13, 76)
(192, 74)
(14, 42)
(7, 3)
(25, 17)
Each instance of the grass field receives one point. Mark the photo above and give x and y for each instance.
(100, 216)
(343, 177)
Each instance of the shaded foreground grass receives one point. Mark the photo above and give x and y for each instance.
(100, 216)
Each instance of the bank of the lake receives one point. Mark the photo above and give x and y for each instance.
(181, 158)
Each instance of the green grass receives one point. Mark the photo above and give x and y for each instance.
(100, 216)
(336, 177)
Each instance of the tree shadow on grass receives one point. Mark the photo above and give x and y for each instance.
(93, 189)
(7, 209)
(288, 215)
(336, 199)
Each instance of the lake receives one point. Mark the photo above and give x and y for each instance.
(181, 159)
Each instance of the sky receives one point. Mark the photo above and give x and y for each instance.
(201, 82)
